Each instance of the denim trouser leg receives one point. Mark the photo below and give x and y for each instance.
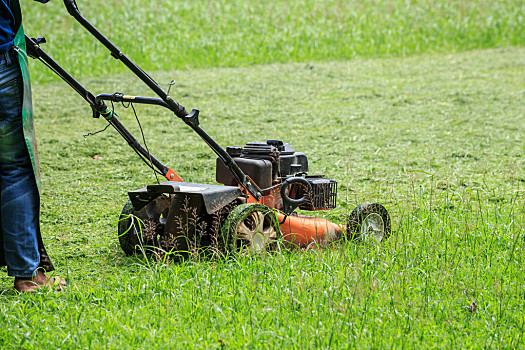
(19, 197)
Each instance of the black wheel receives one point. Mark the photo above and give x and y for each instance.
(128, 228)
(183, 231)
(369, 220)
(252, 228)
(142, 228)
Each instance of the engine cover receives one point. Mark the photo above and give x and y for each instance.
(270, 163)
(259, 170)
(263, 162)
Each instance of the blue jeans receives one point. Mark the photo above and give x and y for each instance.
(19, 197)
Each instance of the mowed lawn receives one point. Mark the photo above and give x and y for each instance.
(435, 137)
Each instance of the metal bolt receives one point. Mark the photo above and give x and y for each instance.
(172, 176)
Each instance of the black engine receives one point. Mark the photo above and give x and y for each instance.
(270, 163)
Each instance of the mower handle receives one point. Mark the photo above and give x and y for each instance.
(98, 106)
(176, 108)
(191, 119)
(71, 7)
(119, 97)
(35, 51)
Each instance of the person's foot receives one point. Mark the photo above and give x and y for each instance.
(30, 284)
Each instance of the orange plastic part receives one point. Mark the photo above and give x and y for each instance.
(251, 199)
(269, 200)
(172, 176)
(305, 231)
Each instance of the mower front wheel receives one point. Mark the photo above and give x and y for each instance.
(369, 220)
(252, 227)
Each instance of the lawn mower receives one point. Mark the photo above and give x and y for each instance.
(253, 206)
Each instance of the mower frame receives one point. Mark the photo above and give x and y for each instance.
(209, 197)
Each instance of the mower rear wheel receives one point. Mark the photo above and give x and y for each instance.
(369, 220)
(141, 230)
(252, 227)
(128, 229)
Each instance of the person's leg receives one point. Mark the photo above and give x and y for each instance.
(19, 197)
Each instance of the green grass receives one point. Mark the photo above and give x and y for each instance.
(167, 34)
(437, 139)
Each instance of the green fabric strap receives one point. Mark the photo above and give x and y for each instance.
(27, 106)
